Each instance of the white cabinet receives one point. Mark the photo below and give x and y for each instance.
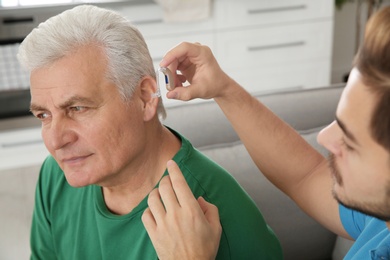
(235, 14)
(274, 54)
(23, 147)
(149, 20)
(264, 45)
(268, 45)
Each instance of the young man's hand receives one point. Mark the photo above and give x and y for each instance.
(180, 226)
(196, 64)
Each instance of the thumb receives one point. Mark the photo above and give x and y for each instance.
(210, 211)
(183, 93)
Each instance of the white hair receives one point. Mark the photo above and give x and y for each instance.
(128, 56)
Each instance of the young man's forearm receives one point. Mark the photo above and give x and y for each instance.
(277, 149)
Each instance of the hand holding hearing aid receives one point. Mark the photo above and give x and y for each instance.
(195, 63)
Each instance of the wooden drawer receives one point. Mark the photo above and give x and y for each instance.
(235, 14)
(272, 45)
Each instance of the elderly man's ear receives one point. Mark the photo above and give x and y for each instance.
(148, 88)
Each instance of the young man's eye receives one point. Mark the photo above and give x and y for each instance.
(348, 147)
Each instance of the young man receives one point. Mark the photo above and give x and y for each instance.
(358, 169)
(93, 87)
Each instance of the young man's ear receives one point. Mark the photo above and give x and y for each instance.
(148, 87)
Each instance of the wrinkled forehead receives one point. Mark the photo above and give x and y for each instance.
(82, 73)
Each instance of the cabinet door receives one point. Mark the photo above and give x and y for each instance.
(284, 76)
(235, 14)
(273, 45)
(160, 45)
(21, 148)
(148, 18)
(275, 51)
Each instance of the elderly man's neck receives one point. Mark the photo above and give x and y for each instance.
(130, 187)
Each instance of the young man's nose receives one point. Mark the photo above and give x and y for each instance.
(330, 137)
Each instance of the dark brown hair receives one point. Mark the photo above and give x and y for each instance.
(373, 62)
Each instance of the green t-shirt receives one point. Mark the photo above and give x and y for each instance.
(74, 223)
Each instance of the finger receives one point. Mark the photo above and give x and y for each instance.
(168, 195)
(178, 81)
(181, 78)
(211, 213)
(183, 93)
(156, 207)
(150, 225)
(209, 210)
(179, 53)
(203, 204)
(182, 190)
(185, 64)
(149, 221)
(184, 67)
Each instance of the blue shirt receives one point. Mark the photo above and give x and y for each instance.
(371, 235)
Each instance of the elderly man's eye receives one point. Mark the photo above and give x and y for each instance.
(77, 108)
(42, 116)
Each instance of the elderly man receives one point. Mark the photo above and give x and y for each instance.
(93, 87)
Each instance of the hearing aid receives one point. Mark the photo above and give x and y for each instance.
(169, 82)
(168, 79)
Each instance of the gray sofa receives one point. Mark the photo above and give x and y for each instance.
(308, 111)
(207, 128)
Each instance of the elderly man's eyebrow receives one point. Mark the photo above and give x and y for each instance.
(35, 107)
(346, 131)
(76, 100)
(70, 102)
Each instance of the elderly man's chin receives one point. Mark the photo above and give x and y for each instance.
(79, 177)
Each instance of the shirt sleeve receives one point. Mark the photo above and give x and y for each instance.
(352, 220)
(245, 234)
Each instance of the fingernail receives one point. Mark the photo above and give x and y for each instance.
(169, 163)
(173, 95)
(162, 63)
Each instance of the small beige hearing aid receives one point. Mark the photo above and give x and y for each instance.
(168, 78)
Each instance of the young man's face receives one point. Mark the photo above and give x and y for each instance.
(86, 126)
(360, 166)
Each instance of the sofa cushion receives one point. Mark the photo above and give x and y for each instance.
(307, 111)
(205, 124)
(300, 236)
